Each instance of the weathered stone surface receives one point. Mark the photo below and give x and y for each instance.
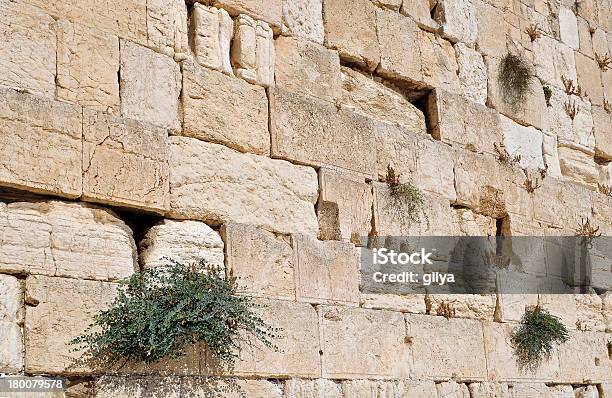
(369, 388)
(568, 28)
(417, 388)
(586, 392)
(472, 224)
(474, 306)
(210, 100)
(472, 73)
(493, 28)
(602, 130)
(11, 319)
(253, 52)
(400, 56)
(65, 239)
(265, 55)
(589, 78)
(413, 303)
(167, 29)
(605, 389)
(307, 68)
(28, 48)
(262, 262)
(298, 121)
(212, 31)
(579, 130)
(578, 164)
(40, 149)
(184, 241)
(365, 343)
(584, 348)
(438, 62)
(304, 19)
(150, 86)
(312, 388)
(531, 390)
(372, 98)
(350, 28)
(553, 60)
(435, 169)
(125, 162)
(137, 387)
(269, 11)
(551, 155)
(584, 37)
(420, 11)
(397, 147)
(458, 20)
(452, 389)
(489, 390)
(525, 142)
(561, 203)
(230, 186)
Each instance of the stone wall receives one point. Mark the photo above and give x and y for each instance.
(254, 134)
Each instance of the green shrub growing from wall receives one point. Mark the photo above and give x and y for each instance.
(515, 78)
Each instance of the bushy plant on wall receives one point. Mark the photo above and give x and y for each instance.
(161, 311)
(406, 201)
(515, 78)
(535, 338)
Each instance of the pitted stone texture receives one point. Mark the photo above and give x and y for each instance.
(350, 28)
(400, 55)
(584, 37)
(167, 29)
(452, 389)
(304, 19)
(420, 11)
(262, 261)
(585, 348)
(11, 319)
(210, 182)
(253, 52)
(369, 388)
(435, 169)
(435, 359)
(326, 271)
(473, 306)
(458, 20)
(372, 98)
(602, 130)
(184, 241)
(269, 11)
(493, 29)
(568, 28)
(586, 392)
(307, 68)
(532, 390)
(87, 66)
(490, 390)
(210, 102)
(40, 145)
(150, 86)
(417, 388)
(298, 121)
(413, 303)
(125, 162)
(49, 327)
(65, 239)
(358, 342)
(578, 164)
(589, 78)
(472, 73)
(561, 203)
(27, 49)
(438, 62)
(551, 155)
(212, 31)
(578, 131)
(398, 148)
(553, 61)
(317, 388)
(525, 142)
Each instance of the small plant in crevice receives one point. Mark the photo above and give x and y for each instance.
(446, 310)
(547, 94)
(605, 189)
(587, 231)
(610, 349)
(406, 202)
(159, 312)
(571, 88)
(531, 185)
(533, 31)
(533, 341)
(504, 157)
(603, 61)
(515, 76)
(543, 172)
(607, 105)
(571, 109)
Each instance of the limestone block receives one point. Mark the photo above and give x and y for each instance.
(28, 48)
(262, 262)
(589, 312)
(472, 73)
(438, 62)
(531, 390)
(452, 389)
(561, 391)
(417, 388)
(584, 37)
(372, 98)
(270, 12)
(125, 162)
(265, 56)
(49, 326)
(184, 241)
(435, 359)
(413, 303)
(600, 42)
(578, 131)
(299, 121)
(65, 239)
(87, 67)
(295, 388)
(578, 164)
(167, 29)
(471, 224)
(458, 20)
(398, 148)
(244, 48)
(493, 29)
(350, 28)
(561, 203)
(584, 358)
(605, 389)
(400, 56)
(354, 200)
(473, 306)
(212, 31)
(568, 28)
(41, 144)
(369, 388)
(350, 352)
(447, 115)
(150, 86)
(551, 155)
(326, 271)
(586, 392)
(137, 387)
(11, 319)
(602, 129)
(553, 61)
(307, 68)
(589, 78)
(420, 11)
(210, 100)
(435, 169)
(304, 19)
(230, 186)
(490, 390)
(525, 142)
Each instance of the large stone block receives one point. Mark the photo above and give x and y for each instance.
(211, 31)
(561, 203)
(568, 28)
(150, 86)
(265, 10)
(397, 147)
(602, 121)
(210, 102)
(28, 48)
(578, 130)
(525, 142)
(490, 390)
(452, 389)
(210, 182)
(417, 388)
(420, 11)
(584, 358)
(312, 388)
(299, 121)
(493, 29)
(167, 29)
(253, 53)
(65, 239)
(11, 319)
(369, 388)
(349, 350)
(554, 61)
(439, 62)
(87, 66)
(262, 262)
(458, 20)
(435, 169)
(578, 164)
(125, 162)
(40, 145)
(473, 306)
(350, 28)
(589, 78)
(304, 19)
(472, 73)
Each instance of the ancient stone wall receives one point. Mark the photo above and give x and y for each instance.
(256, 134)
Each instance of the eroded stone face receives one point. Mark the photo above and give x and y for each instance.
(312, 388)
(304, 19)
(578, 164)
(11, 318)
(253, 53)
(568, 28)
(472, 73)
(167, 27)
(398, 39)
(212, 31)
(525, 142)
(458, 20)
(268, 11)
(438, 62)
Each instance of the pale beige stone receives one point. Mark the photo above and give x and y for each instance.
(11, 319)
(420, 11)
(167, 27)
(150, 86)
(369, 388)
(493, 29)
(390, 4)
(326, 271)
(299, 121)
(600, 43)
(438, 62)
(65, 239)
(553, 61)
(561, 391)
(186, 242)
(458, 20)
(40, 145)
(413, 303)
(350, 28)
(210, 182)
(472, 73)
(270, 11)
(435, 169)
(586, 392)
(28, 48)
(125, 162)
(212, 31)
(584, 357)
(417, 388)
(578, 164)
(602, 121)
(489, 390)
(400, 55)
(397, 147)
(137, 387)
(307, 68)
(568, 28)
(531, 390)
(584, 37)
(266, 55)
(372, 98)
(349, 350)
(244, 48)
(452, 389)
(210, 102)
(262, 262)
(578, 131)
(561, 203)
(589, 78)
(525, 142)
(605, 389)
(551, 155)
(474, 306)
(304, 19)
(317, 388)
(472, 224)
